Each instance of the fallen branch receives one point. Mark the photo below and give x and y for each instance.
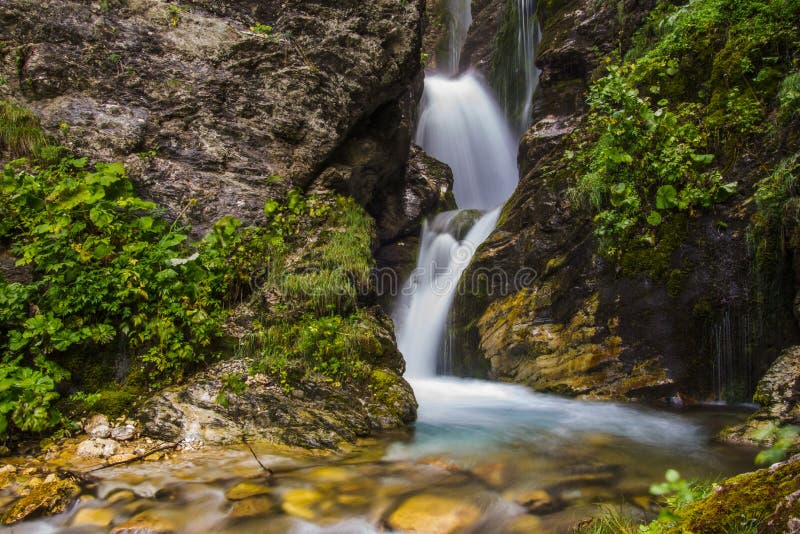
(266, 469)
(138, 457)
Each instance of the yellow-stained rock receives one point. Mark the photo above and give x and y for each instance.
(523, 524)
(148, 521)
(536, 501)
(45, 499)
(301, 502)
(434, 514)
(252, 507)
(494, 474)
(329, 474)
(98, 517)
(123, 495)
(244, 490)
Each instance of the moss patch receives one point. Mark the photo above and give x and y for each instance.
(47, 499)
(748, 497)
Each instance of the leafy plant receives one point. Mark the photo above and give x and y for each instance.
(775, 224)
(26, 396)
(783, 439)
(789, 95)
(644, 162)
(263, 30)
(231, 384)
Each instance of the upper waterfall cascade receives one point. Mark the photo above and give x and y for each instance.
(462, 125)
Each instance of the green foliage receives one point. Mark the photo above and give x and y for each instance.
(611, 520)
(776, 222)
(330, 345)
(789, 95)
(27, 394)
(109, 272)
(644, 163)
(108, 268)
(696, 86)
(112, 276)
(20, 133)
(783, 439)
(263, 30)
(232, 384)
(173, 14)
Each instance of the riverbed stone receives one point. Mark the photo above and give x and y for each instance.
(97, 517)
(123, 432)
(302, 502)
(252, 507)
(148, 521)
(244, 490)
(523, 524)
(97, 426)
(434, 514)
(43, 500)
(535, 501)
(97, 448)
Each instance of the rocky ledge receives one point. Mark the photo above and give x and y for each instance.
(317, 414)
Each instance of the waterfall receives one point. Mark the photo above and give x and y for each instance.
(514, 75)
(529, 35)
(442, 260)
(462, 125)
(460, 20)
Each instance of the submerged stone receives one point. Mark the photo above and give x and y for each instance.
(252, 506)
(301, 502)
(434, 514)
(148, 521)
(244, 490)
(98, 517)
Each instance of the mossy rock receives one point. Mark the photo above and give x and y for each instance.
(764, 496)
(46, 499)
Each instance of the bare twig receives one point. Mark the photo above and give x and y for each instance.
(169, 446)
(266, 469)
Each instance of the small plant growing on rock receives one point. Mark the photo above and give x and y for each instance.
(174, 14)
(263, 30)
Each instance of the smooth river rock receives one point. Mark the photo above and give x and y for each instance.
(434, 514)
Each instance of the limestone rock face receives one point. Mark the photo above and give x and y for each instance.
(487, 18)
(199, 106)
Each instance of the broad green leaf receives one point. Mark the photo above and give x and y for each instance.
(100, 217)
(654, 219)
(666, 197)
(705, 159)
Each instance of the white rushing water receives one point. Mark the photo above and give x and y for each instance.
(442, 260)
(462, 125)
